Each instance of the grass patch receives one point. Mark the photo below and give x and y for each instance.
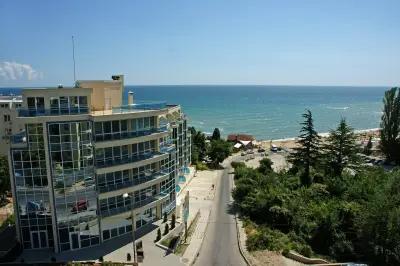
(181, 248)
(201, 166)
(170, 241)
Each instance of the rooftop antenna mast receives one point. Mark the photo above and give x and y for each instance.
(73, 56)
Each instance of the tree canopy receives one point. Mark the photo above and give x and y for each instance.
(216, 134)
(307, 153)
(341, 148)
(390, 125)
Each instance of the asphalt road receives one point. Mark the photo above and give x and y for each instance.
(220, 246)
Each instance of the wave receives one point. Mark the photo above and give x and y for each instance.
(338, 108)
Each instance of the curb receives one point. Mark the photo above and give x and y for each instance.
(239, 243)
(238, 235)
(198, 251)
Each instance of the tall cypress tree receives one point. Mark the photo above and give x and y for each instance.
(341, 148)
(390, 125)
(307, 152)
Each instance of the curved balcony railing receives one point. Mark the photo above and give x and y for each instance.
(52, 111)
(135, 205)
(129, 134)
(127, 159)
(134, 182)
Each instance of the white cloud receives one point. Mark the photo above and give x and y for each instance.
(17, 71)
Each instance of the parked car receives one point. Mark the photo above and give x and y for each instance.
(80, 205)
(261, 150)
(274, 148)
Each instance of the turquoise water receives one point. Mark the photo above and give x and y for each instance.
(267, 112)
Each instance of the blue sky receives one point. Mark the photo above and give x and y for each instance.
(309, 42)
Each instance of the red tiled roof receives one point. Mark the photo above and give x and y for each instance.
(239, 137)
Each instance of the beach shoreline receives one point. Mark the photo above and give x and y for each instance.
(289, 143)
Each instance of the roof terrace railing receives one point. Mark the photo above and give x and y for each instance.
(140, 106)
(53, 111)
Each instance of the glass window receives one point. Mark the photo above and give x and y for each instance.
(98, 128)
(54, 103)
(83, 101)
(107, 127)
(31, 103)
(54, 129)
(146, 122)
(115, 126)
(133, 125)
(73, 101)
(64, 105)
(40, 103)
(124, 125)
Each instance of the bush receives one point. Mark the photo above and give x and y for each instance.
(201, 166)
(238, 164)
(158, 235)
(173, 221)
(166, 229)
(173, 241)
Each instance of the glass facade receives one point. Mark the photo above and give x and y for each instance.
(71, 157)
(32, 189)
(60, 178)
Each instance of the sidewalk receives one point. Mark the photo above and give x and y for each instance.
(201, 196)
(153, 255)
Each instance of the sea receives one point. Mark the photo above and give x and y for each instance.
(266, 112)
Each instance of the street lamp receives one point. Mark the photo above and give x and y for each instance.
(126, 195)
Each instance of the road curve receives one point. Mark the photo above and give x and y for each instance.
(220, 245)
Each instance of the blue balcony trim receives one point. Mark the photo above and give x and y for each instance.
(129, 134)
(52, 112)
(126, 159)
(127, 208)
(131, 183)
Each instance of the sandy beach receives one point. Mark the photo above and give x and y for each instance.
(289, 143)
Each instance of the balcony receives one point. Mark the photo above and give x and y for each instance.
(127, 159)
(152, 200)
(19, 138)
(129, 134)
(53, 111)
(135, 182)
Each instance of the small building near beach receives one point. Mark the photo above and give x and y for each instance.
(242, 141)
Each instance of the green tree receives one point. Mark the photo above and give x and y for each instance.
(216, 134)
(199, 145)
(4, 175)
(307, 153)
(173, 221)
(368, 147)
(390, 125)
(341, 148)
(379, 223)
(219, 151)
(265, 166)
(166, 229)
(158, 235)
